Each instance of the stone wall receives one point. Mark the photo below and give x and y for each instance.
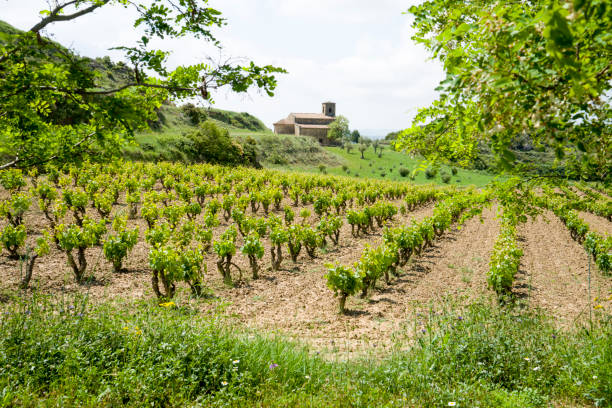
(288, 129)
(314, 121)
(320, 135)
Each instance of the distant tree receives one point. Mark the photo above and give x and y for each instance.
(362, 149)
(348, 146)
(375, 145)
(55, 107)
(380, 150)
(339, 129)
(355, 136)
(366, 141)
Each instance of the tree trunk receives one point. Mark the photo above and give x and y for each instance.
(30, 261)
(133, 211)
(77, 269)
(294, 251)
(254, 266)
(336, 237)
(196, 288)
(155, 285)
(341, 303)
(13, 254)
(364, 290)
(169, 287)
(223, 267)
(277, 256)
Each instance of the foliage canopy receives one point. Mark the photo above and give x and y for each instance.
(339, 129)
(56, 107)
(540, 69)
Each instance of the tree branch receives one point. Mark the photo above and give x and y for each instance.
(603, 71)
(17, 159)
(55, 16)
(10, 164)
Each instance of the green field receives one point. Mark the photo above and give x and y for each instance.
(385, 167)
(388, 165)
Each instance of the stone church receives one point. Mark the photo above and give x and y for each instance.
(315, 125)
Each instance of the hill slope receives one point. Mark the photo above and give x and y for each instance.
(166, 139)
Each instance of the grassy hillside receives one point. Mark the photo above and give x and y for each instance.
(109, 73)
(288, 151)
(167, 139)
(6, 31)
(388, 167)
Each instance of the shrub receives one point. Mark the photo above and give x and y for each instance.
(311, 240)
(431, 172)
(171, 264)
(294, 241)
(13, 238)
(454, 171)
(344, 282)
(323, 168)
(446, 178)
(225, 248)
(505, 260)
(117, 245)
(253, 249)
(276, 158)
(213, 144)
(278, 237)
(404, 171)
(194, 114)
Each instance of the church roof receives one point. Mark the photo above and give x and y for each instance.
(311, 116)
(285, 121)
(313, 126)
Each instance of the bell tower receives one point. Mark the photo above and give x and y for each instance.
(329, 109)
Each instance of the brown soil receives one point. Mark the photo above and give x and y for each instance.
(597, 223)
(554, 274)
(296, 302)
(300, 305)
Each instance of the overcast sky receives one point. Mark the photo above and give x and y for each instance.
(357, 53)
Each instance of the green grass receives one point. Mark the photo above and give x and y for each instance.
(387, 168)
(73, 354)
(288, 151)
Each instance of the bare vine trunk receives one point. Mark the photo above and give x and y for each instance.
(29, 261)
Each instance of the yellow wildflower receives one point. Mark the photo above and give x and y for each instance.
(598, 307)
(167, 304)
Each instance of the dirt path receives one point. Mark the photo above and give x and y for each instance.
(458, 263)
(597, 223)
(554, 272)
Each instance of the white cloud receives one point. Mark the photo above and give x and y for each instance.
(351, 11)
